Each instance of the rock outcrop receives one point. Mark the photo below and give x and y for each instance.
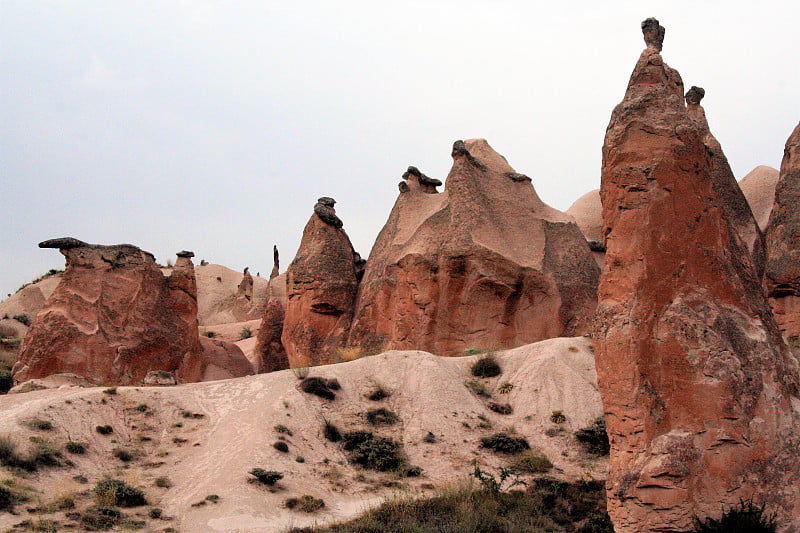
(588, 214)
(483, 264)
(276, 263)
(321, 287)
(734, 204)
(114, 317)
(218, 298)
(245, 288)
(783, 243)
(758, 187)
(700, 393)
(269, 350)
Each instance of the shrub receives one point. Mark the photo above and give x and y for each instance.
(505, 387)
(7, 499)
(333, 384)
(281, 446)
(267, 477)
(75, 447)
(246, 333)
(112, 492)
(300, 372)
(557, 417)
(504, 443)
(125, 455)
(163, 482)
(747, 517)
(318, 387)
(39, 425)
(496, 484)
(155, 513)
(210, 334)
(104, 430)
(100, 518)
(376, 453)
(331, 432)
(381, 417)
(280, 428)
(412, 471)
(500, 408)
(477, 388)
(378, 392)
(305, 503)
(6, 380)
(486, 367)
(594, 437)
(531, 463)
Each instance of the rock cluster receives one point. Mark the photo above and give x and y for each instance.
(699, 391)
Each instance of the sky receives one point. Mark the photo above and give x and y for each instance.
(214, 126)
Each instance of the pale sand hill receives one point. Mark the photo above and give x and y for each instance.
(27, 301)
(216, 296)
(759, 190)
(236, 433)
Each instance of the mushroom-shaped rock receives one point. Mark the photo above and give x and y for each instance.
(321, 286)
(697, 386)
(653, 33)
(484, 263)
(114, 317)
(734, 204)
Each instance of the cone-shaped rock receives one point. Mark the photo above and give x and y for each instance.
(245, 288)
(588, 214)
(483, 264)
(321, 286)
(114, 317)
(783, 242)
(734, 204)
(758, 187)
(269, 348)
(700, 393)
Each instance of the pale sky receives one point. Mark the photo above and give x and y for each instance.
(214, 126)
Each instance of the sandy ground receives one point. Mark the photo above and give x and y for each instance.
(205, 437)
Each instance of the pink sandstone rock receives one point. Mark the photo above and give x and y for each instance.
(699, 391)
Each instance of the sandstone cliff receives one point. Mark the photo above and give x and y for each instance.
(483, 264)
(700, 393)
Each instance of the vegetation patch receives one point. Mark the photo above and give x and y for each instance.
(747, 517)
(280, 428)
(531, 462)
(104, 430)
(319, 387)
(331, 432)
(594, 437)
(504, 443)
(486, 367)
(372, 452)
(37, 424)
(500, 408)
(245, 333)
(115, 492)
(381, 417)
(477, 388)
(75, 447)
(281, 446)
(266, 477)
(557, 417)
(305, 503)
(379, 392)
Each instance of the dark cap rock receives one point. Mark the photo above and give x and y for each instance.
(695, 95)
(653, 33)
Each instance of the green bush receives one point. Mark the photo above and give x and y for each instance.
(100, 518)
(486, 367)
(267, 477)
(111, 492)
(305, 503)
(39, 425)
(376, 453)
(747, 517)
(504, 443)
(594, 437)
(246, 333)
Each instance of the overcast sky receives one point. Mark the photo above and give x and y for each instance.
(214, 126)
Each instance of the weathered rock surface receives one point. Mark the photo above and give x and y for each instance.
(758, 187)
(218, 299)
(700, 394)
(588, 214)
(734, 204)
(276, 263)
(783, 242)
(321, 286)
(160, 378)
(245, 288)
(223, 360)
(485, 263)
(269, 351)
(114, 317)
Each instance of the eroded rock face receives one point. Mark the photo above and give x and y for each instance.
(783, 242)
(483, 264)
(321, 286)
(700, 393)
(588, 214)
(114, 317)
(734, 203)
(245, 288)
(758, 187)
(269, 348)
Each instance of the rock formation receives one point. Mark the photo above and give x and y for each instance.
(222, 360)
(321, 286)
(758, 187)
(783, 243)
(245, 288)
(114, 317)
(269, 349)
(276, 263)
(483, 264)
(697, 387)
(734, 204)
(587, 211)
